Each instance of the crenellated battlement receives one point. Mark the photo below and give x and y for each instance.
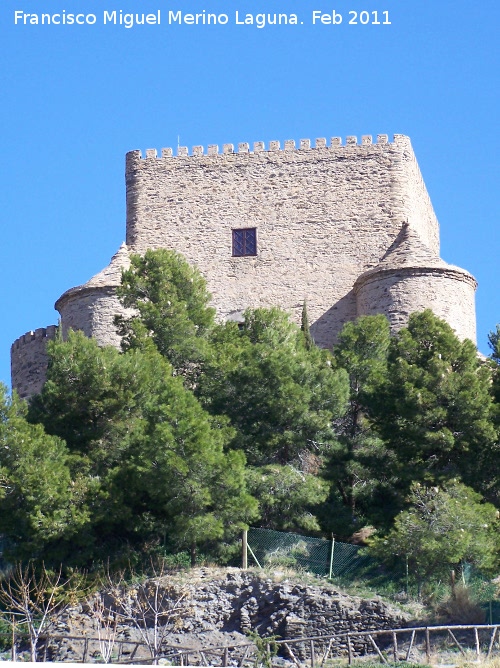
(37, 335)
(242, 184)
(321, 143)
(317, 219)
(28, 355)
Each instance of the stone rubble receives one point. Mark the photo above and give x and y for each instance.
(220, 607)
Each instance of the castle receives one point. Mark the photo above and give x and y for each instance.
(348, 227)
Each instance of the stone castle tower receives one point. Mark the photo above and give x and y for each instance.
(350, 228)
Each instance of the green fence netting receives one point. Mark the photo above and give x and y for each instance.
(270, 548)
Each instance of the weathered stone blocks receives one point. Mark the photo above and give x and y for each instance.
(28, 356)
(348, 227)
(324, 215)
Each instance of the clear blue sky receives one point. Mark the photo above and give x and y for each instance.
(76, 98)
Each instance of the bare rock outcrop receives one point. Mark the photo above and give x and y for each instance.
(215, 607)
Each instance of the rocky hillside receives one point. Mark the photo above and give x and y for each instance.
(214, 607)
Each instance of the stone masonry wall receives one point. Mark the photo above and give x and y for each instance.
(327, 218)
(416, 200)
(450, 294)
(323, 216)
(92, 312)
(218, 608)
(28, 356)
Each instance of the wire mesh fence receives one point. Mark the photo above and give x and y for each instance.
(330, 558)
(471, 596)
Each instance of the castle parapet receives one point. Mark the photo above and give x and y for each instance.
(321, 143)
(349, 181)
(29, 360)
(345, 223)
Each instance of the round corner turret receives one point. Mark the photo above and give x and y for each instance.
(91, 308)
(132, 160)
(411, 278)
(28, 359)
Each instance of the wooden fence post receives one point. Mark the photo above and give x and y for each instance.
(427, 645)
(85, 649)
(349, 649)
(14, 639)
(478, 648)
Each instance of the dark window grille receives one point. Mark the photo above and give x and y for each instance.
(245, 242)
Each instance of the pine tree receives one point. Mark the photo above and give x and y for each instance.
(494, 344)
(41, 499)
(436, 411)
(360, 469)
(441, 528)
(304, 326)
(289, 498)
(281, 397)
(164, 473)
(171, 301)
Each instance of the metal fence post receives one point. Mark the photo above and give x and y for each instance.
(244, 549)
(331, 558)
(319, 555)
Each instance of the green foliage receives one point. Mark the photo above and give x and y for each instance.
(362, 350)
(281, 398)
(287, 497)
(146, 450)
(360, 469)
(441, 528)
(435, 413)
(265, 649)
(178, 472)
(171, 301)
(92, 395)
(176, 561)
(41, 499)
(494, 344)
(156, 457)
(421, 408)
(5, 634)
(304, 326)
